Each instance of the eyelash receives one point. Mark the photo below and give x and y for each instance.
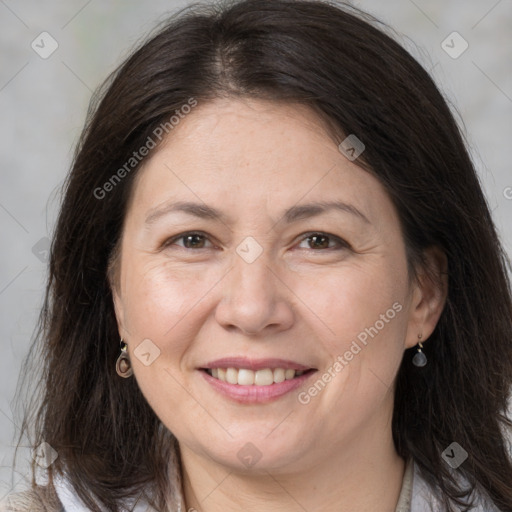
(342, 243)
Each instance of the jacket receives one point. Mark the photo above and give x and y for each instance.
(415, 496)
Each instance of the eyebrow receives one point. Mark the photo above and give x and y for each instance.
(292, 214)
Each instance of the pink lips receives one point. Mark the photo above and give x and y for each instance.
(255, 364)
(255, 394)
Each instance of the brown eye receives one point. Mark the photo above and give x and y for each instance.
(193, 241)
(318, 241)
(190, 241)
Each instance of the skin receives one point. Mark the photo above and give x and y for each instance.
(252, 159)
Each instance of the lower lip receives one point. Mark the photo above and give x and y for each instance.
(255, 394)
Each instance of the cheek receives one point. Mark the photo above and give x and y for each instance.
(163, 305)
(361, 323)
(352, 300)
(160, 296)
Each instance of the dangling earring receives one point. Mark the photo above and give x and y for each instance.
(419, 359)
(123, 365)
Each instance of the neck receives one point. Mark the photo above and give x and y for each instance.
(364, 474)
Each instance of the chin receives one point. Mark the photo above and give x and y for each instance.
(254, 454)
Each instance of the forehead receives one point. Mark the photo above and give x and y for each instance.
(256, 152)
(231, 128)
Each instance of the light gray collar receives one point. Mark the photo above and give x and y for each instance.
(415, 494)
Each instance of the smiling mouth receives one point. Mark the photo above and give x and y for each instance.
(247, 377)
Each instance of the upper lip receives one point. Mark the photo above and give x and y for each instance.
(254, 364)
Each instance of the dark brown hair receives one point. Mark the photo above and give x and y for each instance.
(340, 62)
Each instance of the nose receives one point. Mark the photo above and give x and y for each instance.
(255, 300)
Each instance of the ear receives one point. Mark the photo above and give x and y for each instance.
(119, 312)
(429, 293)
(114, 281)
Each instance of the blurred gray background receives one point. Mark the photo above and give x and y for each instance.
(44, 97)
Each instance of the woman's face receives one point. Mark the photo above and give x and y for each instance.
(270, 283)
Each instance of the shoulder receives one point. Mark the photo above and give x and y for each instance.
(36, 499)
(424, 499)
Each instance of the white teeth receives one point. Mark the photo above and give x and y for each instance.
(279, 375)
(232, 376)
(264, 377)
(245, 377)
(289, 374)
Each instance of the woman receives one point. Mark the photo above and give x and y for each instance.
(273, 209)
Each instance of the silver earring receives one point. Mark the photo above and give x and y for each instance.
(419, 359)
(123, 365)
